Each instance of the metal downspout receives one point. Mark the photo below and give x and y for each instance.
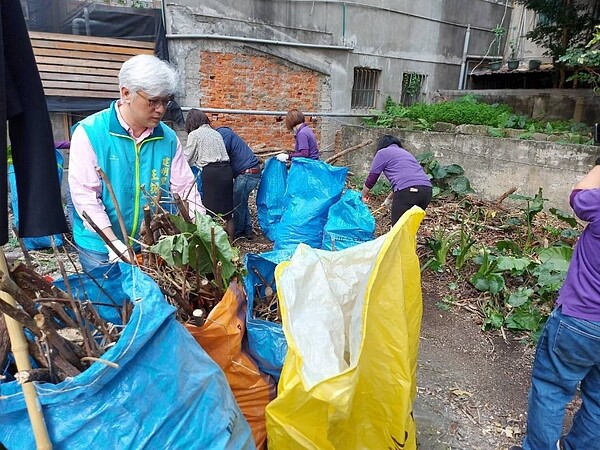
(463, 63)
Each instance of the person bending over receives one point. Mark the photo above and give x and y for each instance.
(410, 184)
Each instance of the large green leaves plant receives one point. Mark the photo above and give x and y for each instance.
(203, 246)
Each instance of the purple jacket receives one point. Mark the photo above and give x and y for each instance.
(399, 166)
(580, 293)
(306, 143)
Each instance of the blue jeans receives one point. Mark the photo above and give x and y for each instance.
(97, 262)
(243, 185)
(568, 353)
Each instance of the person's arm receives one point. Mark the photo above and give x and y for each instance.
(190, 152)
(585, 198)
(303, 149)
(85, 184)
(369, 183)
(183, 182)
(591, 180)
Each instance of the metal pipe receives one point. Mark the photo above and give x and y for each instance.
(463, 64)
(257, 41)
(277, 113)
(344, 22)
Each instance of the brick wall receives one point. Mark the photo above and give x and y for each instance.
(257, 82)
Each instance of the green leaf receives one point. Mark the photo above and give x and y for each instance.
(556, 258)
(509, 246)
(439, 172)
(547, 280)
(520, 296)
(512, 264)
(424, 157)
(173, 249)
(224, 252)
(494, 320)
(524, 319)
(454, 169)
(182, 225)
(461, 185)
(565, 217)
(492, 283)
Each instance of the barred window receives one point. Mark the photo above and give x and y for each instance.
(413, 88)
(364, 89)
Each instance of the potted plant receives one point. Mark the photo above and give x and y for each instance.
(499, 32)
(495, 65)
(496, 44)
(535, 64)
(513, 61)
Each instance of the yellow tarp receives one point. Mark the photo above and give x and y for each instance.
(352, 320)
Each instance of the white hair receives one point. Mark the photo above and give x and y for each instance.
(149, 74)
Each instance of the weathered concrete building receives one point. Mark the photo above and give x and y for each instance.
(338, 57)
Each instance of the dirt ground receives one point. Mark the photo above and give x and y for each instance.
(472, 387)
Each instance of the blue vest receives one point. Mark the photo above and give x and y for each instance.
(129, 167)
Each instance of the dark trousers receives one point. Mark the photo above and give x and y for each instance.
(407, 198)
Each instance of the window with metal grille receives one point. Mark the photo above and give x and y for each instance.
(413, 88)
(364, 90)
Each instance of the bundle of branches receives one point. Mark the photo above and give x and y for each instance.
(266, 303)
(190, 259)
(65, 336)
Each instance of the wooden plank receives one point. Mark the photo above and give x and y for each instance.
(91, 65)
(82, 47)
(114, 88)
(80, 93)
(47, 68)
(91, 40)
(80, 55)
(65, 76)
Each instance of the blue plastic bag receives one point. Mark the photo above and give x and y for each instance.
(198, 177)
(312, 187)
(166, 393)
(270, 201)
(349, 223)
(32, 243)
(266, 341)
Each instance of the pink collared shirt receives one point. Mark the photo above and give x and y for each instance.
(86, 188)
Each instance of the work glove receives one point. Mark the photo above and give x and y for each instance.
(121, 247)
(283, 157)
(387, 202)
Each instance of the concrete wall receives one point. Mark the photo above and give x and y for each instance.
(394, 36)
(550, 104)
(492, 165)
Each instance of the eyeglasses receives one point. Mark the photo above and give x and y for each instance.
(156, 102)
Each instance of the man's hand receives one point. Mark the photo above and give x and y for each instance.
(283, 157)
(121, 247)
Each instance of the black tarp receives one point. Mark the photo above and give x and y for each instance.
(93, 19)
(22, 103)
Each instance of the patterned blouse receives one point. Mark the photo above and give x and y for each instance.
(205, 146)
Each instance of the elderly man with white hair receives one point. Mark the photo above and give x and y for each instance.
(135, 149)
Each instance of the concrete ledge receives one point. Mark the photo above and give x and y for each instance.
(493, 165)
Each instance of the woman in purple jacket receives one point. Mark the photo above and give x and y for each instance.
(410, 183)
(306, 143)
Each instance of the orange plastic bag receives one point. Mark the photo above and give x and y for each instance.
(221, 337)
